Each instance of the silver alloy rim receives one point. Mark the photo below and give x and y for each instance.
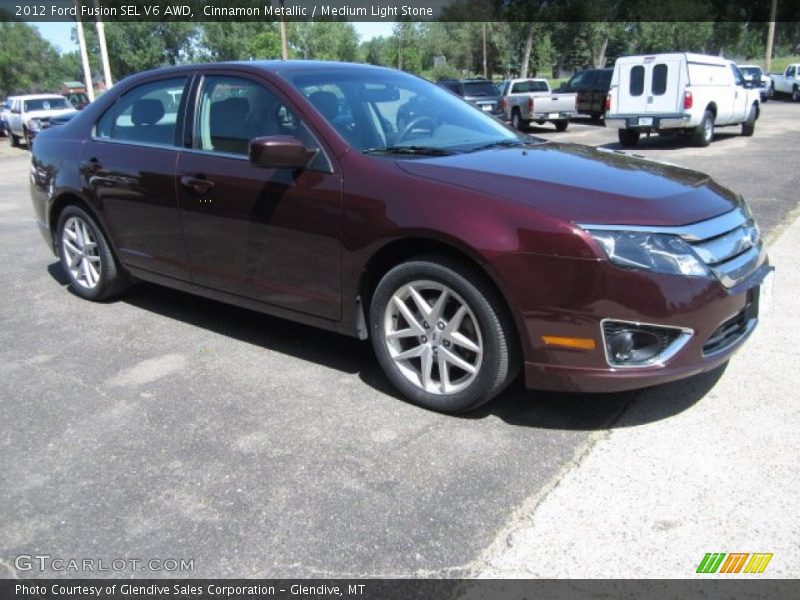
(709, 129)
(80, 251)
(433, 337)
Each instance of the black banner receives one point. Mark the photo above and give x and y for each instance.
(392, 589)
(397, 10)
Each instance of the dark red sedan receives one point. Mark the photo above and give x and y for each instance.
(373, 203)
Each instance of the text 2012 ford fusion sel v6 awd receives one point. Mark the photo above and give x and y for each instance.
(373, 203)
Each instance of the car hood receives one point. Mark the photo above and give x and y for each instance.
(582, 184)
(45, 114)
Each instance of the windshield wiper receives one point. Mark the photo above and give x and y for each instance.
(418, 150)
(499, 144)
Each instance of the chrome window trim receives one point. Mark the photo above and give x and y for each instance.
(693, 232)
(659, 360)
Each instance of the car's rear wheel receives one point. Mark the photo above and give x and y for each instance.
(13, 140)
(561, 124)
(628, 138)
(704, 132)
(749, 125)
(86, 257)
(441, 334)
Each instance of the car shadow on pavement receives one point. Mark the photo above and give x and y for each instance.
(516, 406)
(670, 142)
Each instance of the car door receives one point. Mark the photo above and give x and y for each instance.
(739, 105)
(129, 165)
(271, 235)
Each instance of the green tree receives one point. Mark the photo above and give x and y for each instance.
(233, 40)
(134, 47)
(323, 40)
(28, 63)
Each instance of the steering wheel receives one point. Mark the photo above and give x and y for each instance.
(414, 123)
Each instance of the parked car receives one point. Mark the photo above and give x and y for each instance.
(5, 112)
(591, 88)
(481, 92)
(788, 83)
(75, 92)
(679, 93)
(531, 100)
(464, 251)
(30, 114)
(759, 80)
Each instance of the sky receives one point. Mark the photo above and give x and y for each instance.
(59, 34)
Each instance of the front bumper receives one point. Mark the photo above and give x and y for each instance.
(580, 294)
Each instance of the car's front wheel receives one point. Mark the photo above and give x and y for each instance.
(749, 125)
(442, 335)
(86, 257)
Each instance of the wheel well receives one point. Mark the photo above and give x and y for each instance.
(60, 204)
(403, 250)
(713, 108)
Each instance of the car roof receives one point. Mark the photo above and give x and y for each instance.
(37, 97)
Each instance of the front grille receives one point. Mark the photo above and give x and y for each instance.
(730, 245)
(727, 334)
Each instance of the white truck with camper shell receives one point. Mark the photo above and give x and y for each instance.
(531, 100)
(679, 93)
(788, 83)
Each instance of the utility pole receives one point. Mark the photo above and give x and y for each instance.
(87, 73)
(284, 41)
(770, 35)
(485, 69)
(101, 36)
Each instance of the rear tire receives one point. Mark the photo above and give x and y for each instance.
(13, 140)
(516, 120)
(561, 124)
(749, 125)
(795, 94)
(408, 301)
(628, 138)
(86, 257)
(704, 133)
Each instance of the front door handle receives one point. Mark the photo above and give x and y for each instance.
(198, 185)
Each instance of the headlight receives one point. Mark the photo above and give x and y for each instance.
(656, 252)
(34, 124)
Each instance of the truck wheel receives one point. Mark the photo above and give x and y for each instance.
(795, 94)
(628, 137)
(13, 140)
(561, 124)
(749, 125)
(704, 133)
(516, 120)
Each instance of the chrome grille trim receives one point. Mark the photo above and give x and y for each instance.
(730, 244)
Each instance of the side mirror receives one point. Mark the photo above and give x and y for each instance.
(279, 152)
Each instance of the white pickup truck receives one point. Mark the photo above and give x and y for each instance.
(30, 114)
(531, 100)
(788, 83)
(679, 93)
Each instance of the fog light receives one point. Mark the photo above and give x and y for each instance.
(640, 345)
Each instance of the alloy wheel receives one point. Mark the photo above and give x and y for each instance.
(433, 337)
(80, 250)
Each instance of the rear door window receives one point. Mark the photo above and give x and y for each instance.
(636, 87)
(659, 83)
(147, 114)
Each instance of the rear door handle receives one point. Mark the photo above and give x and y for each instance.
(198, 185)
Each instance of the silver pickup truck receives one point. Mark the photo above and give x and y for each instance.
(531, 100)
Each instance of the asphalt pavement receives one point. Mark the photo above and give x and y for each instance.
(165, 426)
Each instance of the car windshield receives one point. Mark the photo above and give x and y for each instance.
(47, 104)
(479, 88)
(751, 70)
(379, 110)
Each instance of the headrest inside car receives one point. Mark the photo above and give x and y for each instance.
(147, 111)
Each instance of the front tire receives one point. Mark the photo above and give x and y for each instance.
(561, 124)
(441, 334)
(13, 140)
(516, 120)
(86, 256)
(795, 94)
(704, 132)
(628, 138)
(749, 125)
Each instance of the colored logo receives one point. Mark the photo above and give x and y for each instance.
(734, 562)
